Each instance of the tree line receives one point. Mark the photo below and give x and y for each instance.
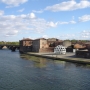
(76, 41)
(9, 43)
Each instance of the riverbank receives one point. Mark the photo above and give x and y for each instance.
(69, 57)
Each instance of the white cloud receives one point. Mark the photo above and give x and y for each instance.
(45, 36)
(32, 15)
(21, 10)
(52, 24)
(84, 18)
(40, 11)
(12, 33)
(1, 12)
(73, 22)
(63, 22)
(26, 23)
(67, 36)
(69, 5)
(85, 34)
(69, 22)
(9, 24)
(13, 3)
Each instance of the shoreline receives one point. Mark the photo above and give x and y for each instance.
(69, 57)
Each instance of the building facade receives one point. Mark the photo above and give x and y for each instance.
(39, 45)
(25, 45)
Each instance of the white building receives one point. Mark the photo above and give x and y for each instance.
(60, 49)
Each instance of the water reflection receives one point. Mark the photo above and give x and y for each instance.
(37, 62)
(25, 72)
(43, 62)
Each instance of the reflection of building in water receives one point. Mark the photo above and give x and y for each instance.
(37, 62)
(40, 63)
(59, 62)
(66, 65)
(69, 65)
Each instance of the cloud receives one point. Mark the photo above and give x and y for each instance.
(85, 34)
(69, 22)
(63, 22)
(52, 24)
(45, 36)
(13, 3)
(40, 11)
(32, 15)
(9, 24)
(12, 25)
(68, 6)
(84, 18)
(21, 10)
(1, 12)
(73, 22)
(12, 33)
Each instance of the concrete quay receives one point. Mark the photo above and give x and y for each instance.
(69, 57)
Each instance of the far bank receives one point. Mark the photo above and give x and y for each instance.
(69, 57)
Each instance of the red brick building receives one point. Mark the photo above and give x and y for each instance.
(25, 45)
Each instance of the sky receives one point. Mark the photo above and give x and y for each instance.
(62, 19)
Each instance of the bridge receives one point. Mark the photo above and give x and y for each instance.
(11, 47)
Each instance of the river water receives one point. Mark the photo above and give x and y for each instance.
(24, 72)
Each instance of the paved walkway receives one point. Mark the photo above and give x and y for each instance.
(67, 57)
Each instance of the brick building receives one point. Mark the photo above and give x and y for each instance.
(53, 42)
(39, 45)
(25, 45)
(45, 45)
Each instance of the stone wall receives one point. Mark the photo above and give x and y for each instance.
(82, 54)
(36, 45)
(88, 47)
(43, 43)
(25, 49)
(70, 50)
(27, 43)
(39, 44)
(43, 50)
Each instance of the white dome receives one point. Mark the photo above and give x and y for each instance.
(60, 49)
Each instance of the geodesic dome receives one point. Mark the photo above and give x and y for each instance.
(60, 49)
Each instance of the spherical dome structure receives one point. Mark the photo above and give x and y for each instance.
(66, 43)
(60, 49)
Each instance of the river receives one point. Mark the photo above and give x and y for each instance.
(24, 72)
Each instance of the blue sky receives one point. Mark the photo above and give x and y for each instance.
(62, 19)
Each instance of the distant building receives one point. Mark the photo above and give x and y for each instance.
(53, 42)
(52, 39)
(25, 45)
(85, 51)
(88, 45)
(60, 49)
(66, 43)
(39, 44)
